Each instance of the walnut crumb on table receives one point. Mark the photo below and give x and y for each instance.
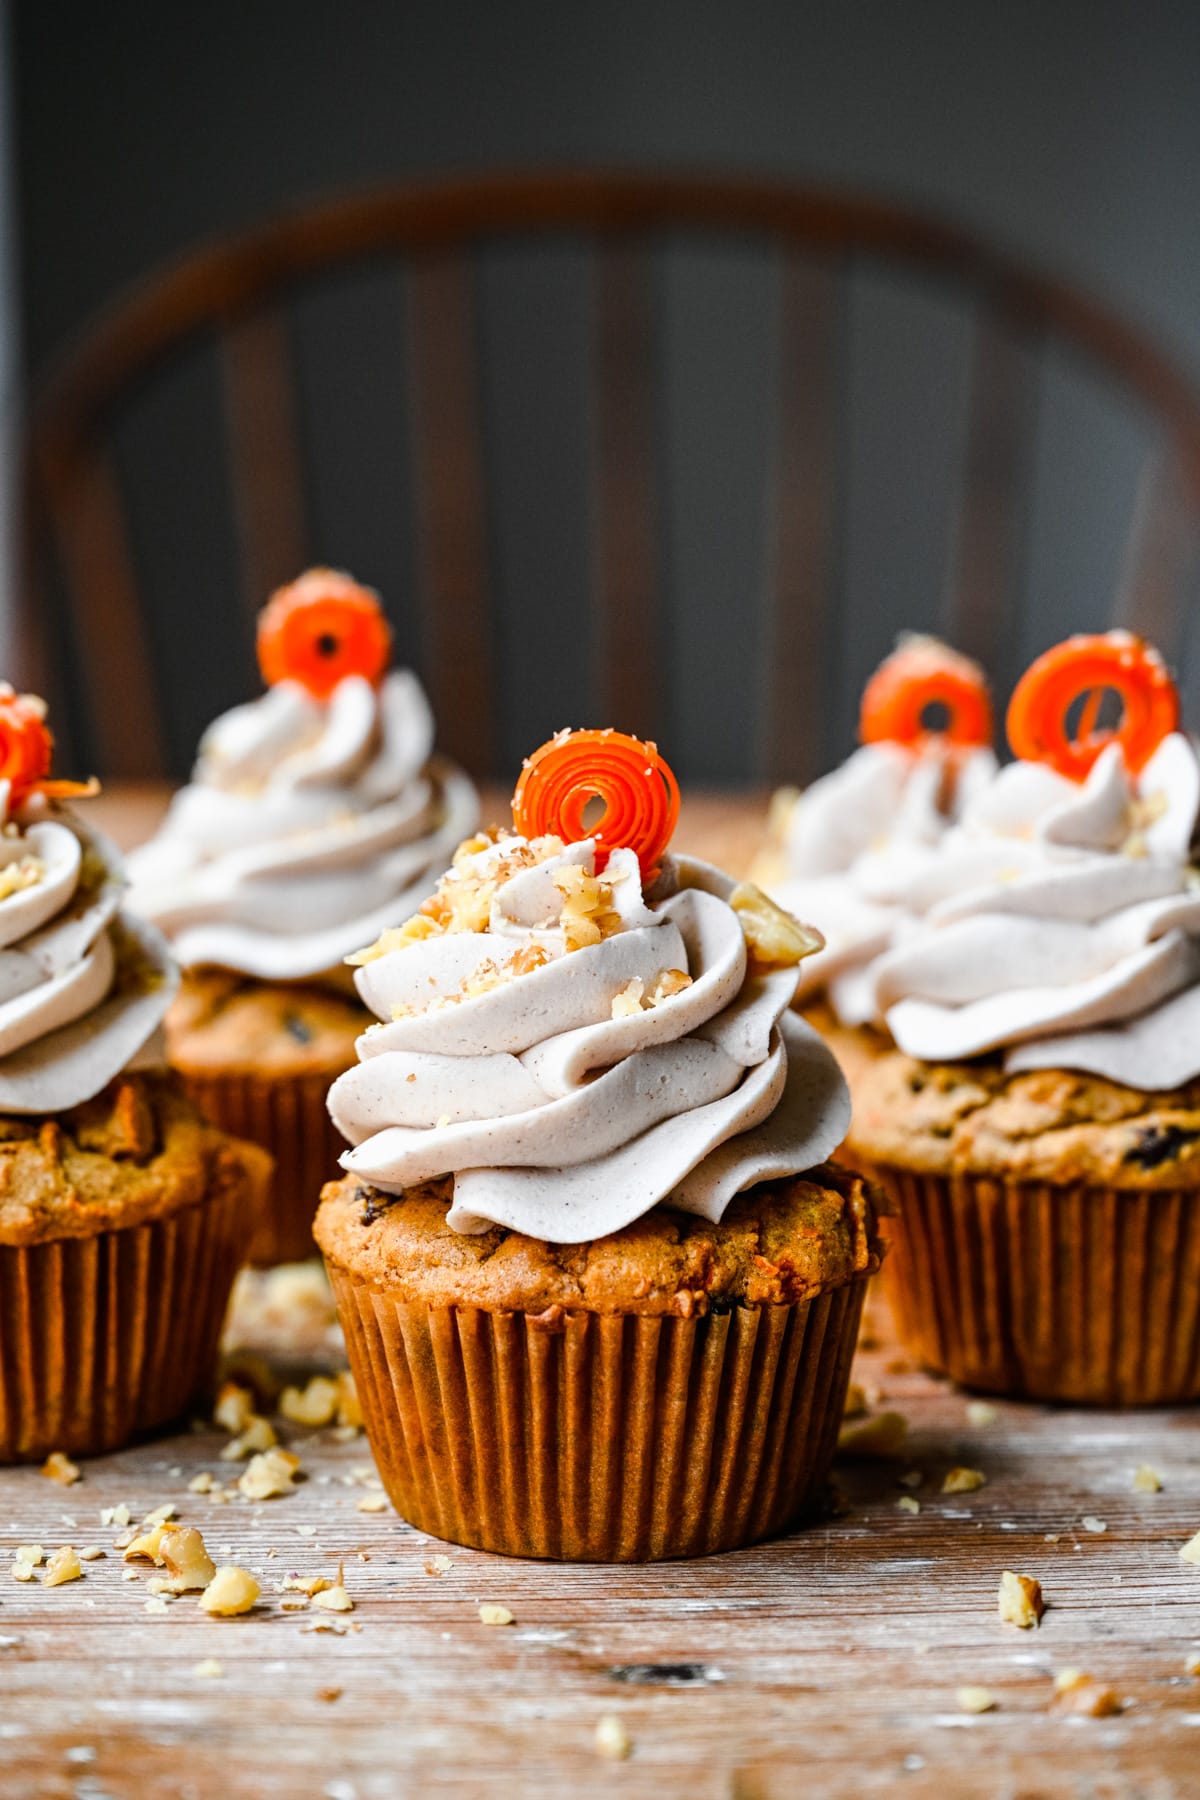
(881, 1436)
(491, 1613)
(612, 1739)
(963, 1481)
(1077, 1692)
(60, 1468)
(1020, 1600)
(230, 1592)
(1190, 1552)
(1146, 1480)
(974, 1700)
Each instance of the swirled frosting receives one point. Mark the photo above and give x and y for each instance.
(846, 848)
(1058, 921)
(308, 824)
(573, 1050)
(83, 987)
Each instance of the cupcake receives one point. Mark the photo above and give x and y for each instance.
(123, 1215)
(841, 852)
(315, 815)
(599, 1280)
(1037, 1124)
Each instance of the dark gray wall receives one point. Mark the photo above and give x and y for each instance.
(1069, 131)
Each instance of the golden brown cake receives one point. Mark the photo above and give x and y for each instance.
(257, 1058)
(671, 1388)
(122, 1225)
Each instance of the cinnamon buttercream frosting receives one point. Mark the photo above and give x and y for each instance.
(308, 824)
(83, 986)
(1059, 922)
(846, 847)
(574, 1048)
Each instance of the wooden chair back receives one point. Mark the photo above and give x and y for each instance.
(115, 629)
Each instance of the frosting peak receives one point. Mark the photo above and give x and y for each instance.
(573, 1046)
(82, 986)
(309, 821)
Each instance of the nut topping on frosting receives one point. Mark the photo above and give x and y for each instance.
(574, 1044)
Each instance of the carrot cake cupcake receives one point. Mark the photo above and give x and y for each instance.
(315, 815)
(123, 1215)
(1038, 1123)
(599, 1279)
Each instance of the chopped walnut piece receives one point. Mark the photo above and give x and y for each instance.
(1020, 1600)
(91, 1553)
(980, 1412)
(774, 939)
(269, 1475)
(491, 1613)
(908, 1503)
(160, 1515)
(881, 1436)
(204, 1483)
(63, 1566)
(258, 1434)
(1077, 1692)
(1191, 1550)
(148, 1546)
(314, 1405)
(588, 914)
(438, 1565)
(231, 1591)
(974, 1700)
(156, 1605)
(372, 1503)
(190, 1566)
(612, 1739)
(305, 1584)
(1094, 1525)
(22, 1571)
(629, 1000)
(234, 1408)
(209, 1669)
(333, 1599)
(33, 1554)
(1146, 1480)
(60, 1468)
(963, 1481)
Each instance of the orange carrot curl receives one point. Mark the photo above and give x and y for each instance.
(639, 791)
(321, 628)
(922, 673)
(26, 749)
(1081, 668)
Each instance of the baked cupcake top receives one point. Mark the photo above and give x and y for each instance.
(578, 1025)
(841, 852)
(83, 986)
(1059, 919)
(315, 813)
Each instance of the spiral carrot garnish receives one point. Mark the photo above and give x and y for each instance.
(638, 788)
(1081, 668)
(921, 674)
(321, 628)
(26, 749)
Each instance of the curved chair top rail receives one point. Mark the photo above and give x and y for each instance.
(235, 290)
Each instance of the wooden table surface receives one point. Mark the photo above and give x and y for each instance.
(825, 1664)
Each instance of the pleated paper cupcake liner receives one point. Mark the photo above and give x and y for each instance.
(591, 1438)
(1089, 1295)
(109, 1336)
(287, 1116)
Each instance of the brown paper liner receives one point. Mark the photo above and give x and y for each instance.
(595, 1438)
(287, 1115)
(1082, 1294)
(107, 1336)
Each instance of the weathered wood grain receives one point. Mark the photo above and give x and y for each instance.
(825, 1664)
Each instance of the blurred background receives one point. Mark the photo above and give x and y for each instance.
(688, 477)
